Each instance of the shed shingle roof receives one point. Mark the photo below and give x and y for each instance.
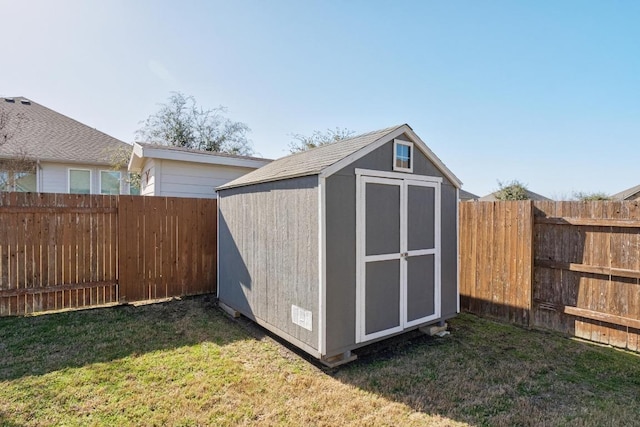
(43, 134)
(310, 162)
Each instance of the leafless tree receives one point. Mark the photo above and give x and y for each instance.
(318, 138)
(15, 162)
(9, 125)
(119, 159)
(182, 123)
(586, 196)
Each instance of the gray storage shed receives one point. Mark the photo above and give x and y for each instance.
(342, 245)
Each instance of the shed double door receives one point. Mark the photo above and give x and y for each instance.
(399, 255)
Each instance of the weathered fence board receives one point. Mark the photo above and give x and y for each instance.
(584, 258)
(495, 248)
(60, 251)
(168, 247)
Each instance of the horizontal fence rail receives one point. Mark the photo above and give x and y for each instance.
(61, 251)
(580, 276)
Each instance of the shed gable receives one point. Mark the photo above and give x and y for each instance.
(341, 262)
(328, 159)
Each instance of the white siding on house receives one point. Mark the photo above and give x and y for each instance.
(54, 177)
(181, 179)
(148, 178)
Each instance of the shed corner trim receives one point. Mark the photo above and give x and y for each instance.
(322, 268)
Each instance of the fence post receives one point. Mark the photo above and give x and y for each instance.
(127, 234)
(531, 264)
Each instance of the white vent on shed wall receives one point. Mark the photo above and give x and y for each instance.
(301, 317)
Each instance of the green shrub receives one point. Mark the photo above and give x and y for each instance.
(514, 190)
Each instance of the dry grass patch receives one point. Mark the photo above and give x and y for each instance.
(178, 363)
(185, 363)
(487, 373)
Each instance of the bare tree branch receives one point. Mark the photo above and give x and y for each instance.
(182, 123)
(318, 138)
(119, 159)
(9, 125)
(16, 167)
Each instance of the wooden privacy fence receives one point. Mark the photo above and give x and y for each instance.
(573, 267)
(60, 251)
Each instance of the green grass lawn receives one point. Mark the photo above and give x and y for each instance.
(185, 363)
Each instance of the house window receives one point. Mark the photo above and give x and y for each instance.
(134, 184)
(403, 156)
(109, 182)
(79, 181)
(23, 182)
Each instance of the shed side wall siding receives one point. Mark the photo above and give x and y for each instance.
(187, 179)
(341, 243)
(268, 252)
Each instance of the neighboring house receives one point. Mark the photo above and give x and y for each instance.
(632, 193)
(465, 196)
(183, 172)
(532, 196)
(44, 151)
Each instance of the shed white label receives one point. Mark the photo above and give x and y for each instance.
(301, 317)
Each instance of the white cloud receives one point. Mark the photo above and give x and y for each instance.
(160, 71)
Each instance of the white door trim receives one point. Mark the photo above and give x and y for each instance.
(435, 251)
(396, 175)
(362, 258)
(364, 177)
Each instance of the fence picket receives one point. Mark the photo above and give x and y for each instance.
(73, 251)
(585, 282)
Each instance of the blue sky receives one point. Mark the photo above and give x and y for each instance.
(546, 92)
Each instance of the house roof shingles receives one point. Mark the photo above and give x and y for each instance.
(310, 162)
(466, 195)
(625, 194)
(44, 134)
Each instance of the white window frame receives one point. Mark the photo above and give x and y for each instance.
(100, 181)
(11, 177)
(397, 168)
(69, 179)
